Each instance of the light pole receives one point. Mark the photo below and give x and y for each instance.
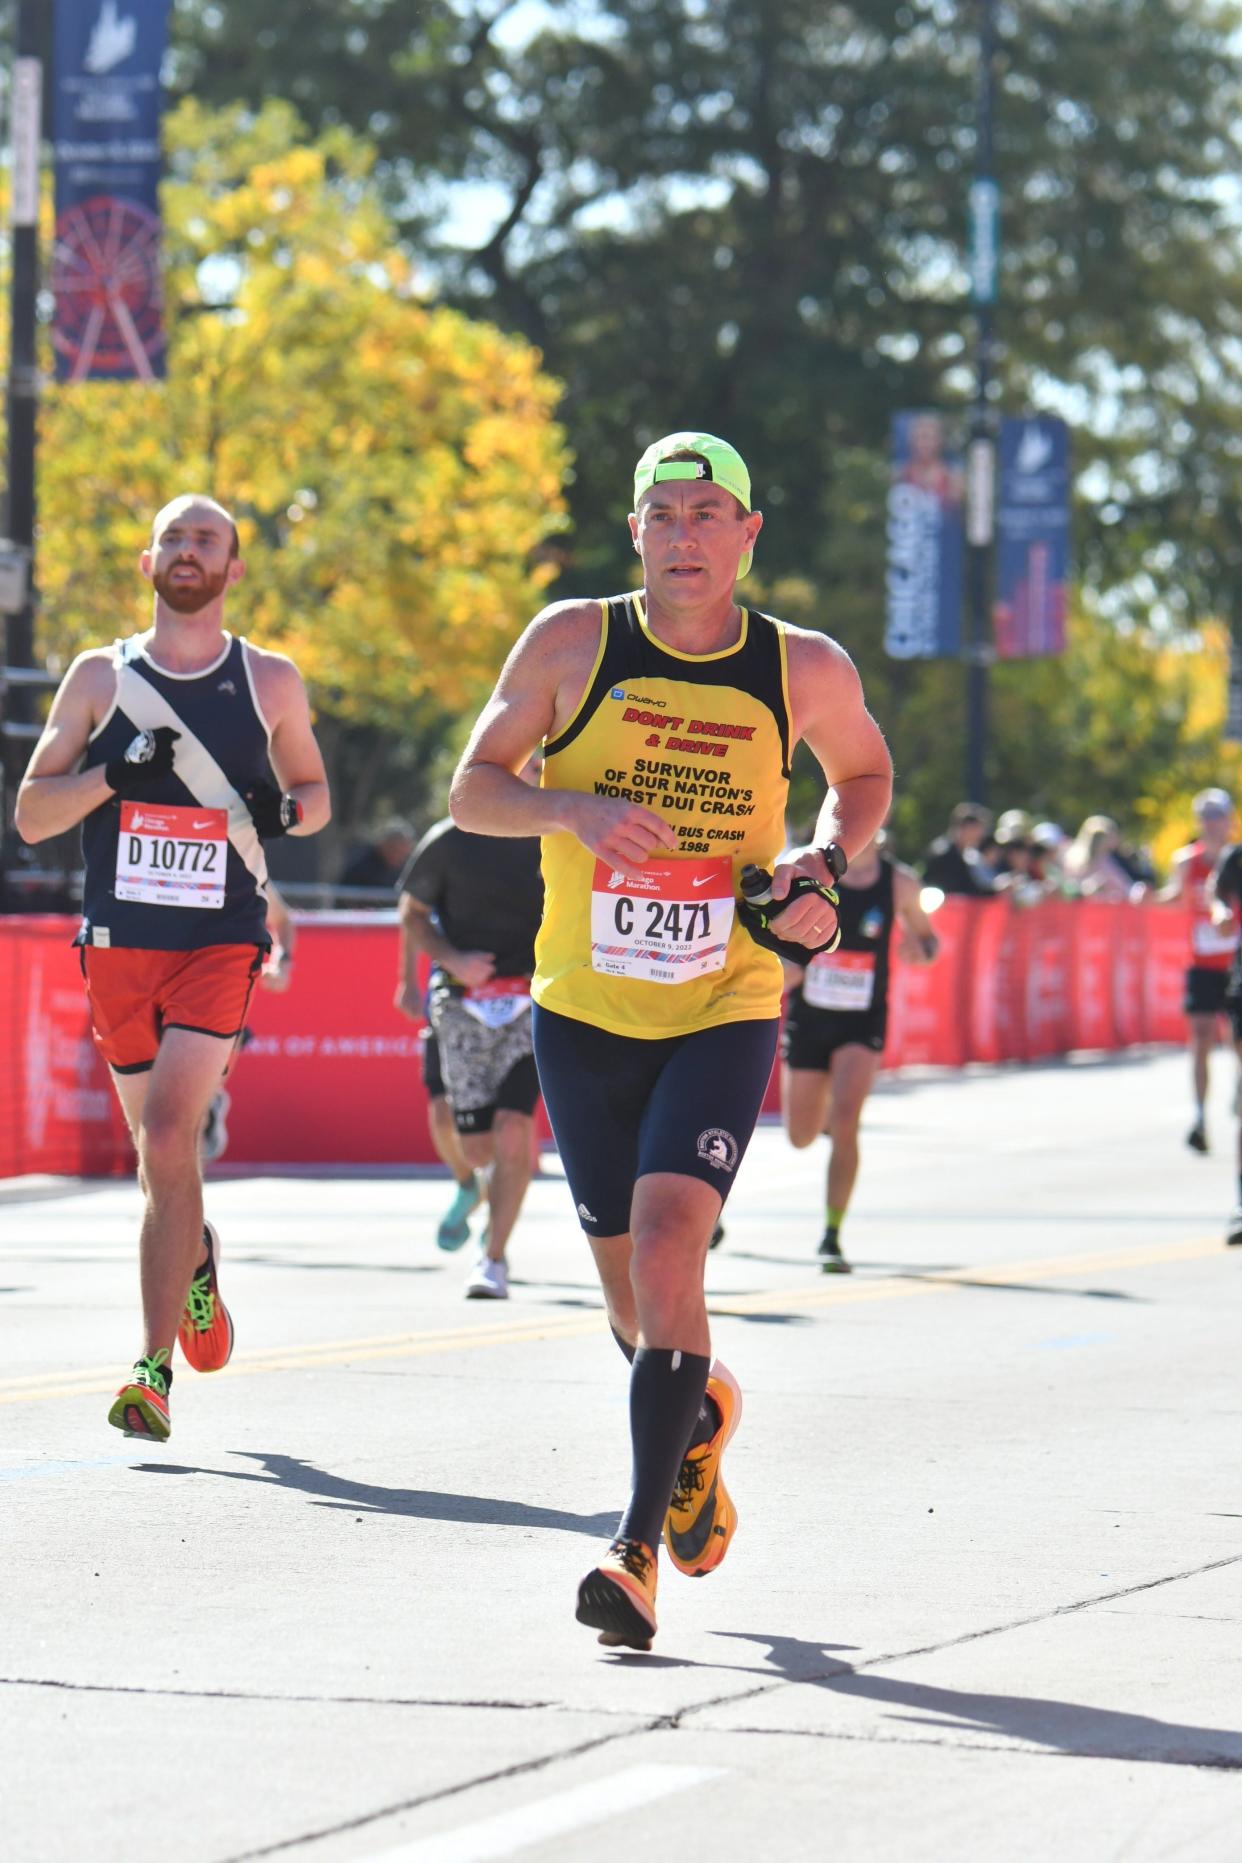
(16, 600)
(981, 450)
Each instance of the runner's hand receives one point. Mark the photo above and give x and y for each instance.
(409, 1001)
(148, 758)
(471, 967)
(271, 813)
(807, 920)
(815, 907)
(625, 834)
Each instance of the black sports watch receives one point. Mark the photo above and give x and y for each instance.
(834, 855)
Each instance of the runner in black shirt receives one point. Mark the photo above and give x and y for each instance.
(473, 904)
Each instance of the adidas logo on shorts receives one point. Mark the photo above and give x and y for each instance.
(586, 1215)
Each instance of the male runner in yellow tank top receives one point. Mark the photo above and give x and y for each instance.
(667, 719)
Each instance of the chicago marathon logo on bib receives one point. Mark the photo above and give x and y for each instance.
(718, 1148)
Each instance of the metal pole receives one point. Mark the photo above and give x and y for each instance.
(26, 95)
(981, 452)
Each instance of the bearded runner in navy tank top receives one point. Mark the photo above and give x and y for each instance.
(222, 751)
(159, 747)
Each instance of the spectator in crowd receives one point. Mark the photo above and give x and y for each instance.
(1048, 843)
(1092, 865)
(953, 862)
(1008, 855)
(381, 861)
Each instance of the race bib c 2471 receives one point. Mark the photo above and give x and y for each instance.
(669, 925)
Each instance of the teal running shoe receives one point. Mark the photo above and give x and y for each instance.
(454, 1227)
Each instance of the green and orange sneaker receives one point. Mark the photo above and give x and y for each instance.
(701, 1518)
(140, 1407)
(618, 1597)
(206, 1331)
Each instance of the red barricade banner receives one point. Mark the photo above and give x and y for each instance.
(927, 1022)
(333, 1073)
(1168, 955)
(1092, 1019)
(333, 1070)
(58, 1113)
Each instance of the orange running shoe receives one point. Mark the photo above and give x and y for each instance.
(701, 1518)
(140, 1407)
(206, 1331)
(618, 1597)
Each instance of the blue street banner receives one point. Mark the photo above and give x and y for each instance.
(923, 616)
(1032, 537)
(105, 274)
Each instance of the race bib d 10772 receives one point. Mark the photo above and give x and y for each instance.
(169, 856)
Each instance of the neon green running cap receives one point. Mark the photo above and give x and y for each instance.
(722, 464)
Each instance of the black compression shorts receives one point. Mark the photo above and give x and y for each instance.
(1205, 991)
(812, 1036)
(622, 1107)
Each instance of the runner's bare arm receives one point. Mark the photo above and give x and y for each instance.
(1175, 885)
(826, 700)
(540, 688)
(54, 795)
(277, 973)
(419, 932)
(295, 755)
(919, 942)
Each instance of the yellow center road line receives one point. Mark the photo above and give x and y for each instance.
(38, 1388)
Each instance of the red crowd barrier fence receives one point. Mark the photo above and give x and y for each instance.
(333, 1072)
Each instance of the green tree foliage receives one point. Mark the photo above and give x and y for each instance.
(394, 468)
(751, 216)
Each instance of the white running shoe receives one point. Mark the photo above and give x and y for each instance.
(490, 1280)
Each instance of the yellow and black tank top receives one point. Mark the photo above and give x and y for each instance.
(705, 739)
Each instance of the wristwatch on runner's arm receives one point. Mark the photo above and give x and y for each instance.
(834, 859)
(271, 813)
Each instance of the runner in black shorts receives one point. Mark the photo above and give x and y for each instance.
(837, 1020)
(668, 719)
(1212, 940)
(454, 1226)
(472, 903)
(1224, 891)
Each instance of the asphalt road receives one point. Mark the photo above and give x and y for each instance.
(983, 1601)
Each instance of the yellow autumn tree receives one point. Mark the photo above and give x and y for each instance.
(394, 466)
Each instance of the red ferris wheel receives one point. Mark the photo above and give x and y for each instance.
(109, 291)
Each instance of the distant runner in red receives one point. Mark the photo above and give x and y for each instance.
(160, 746)
(1213, 941)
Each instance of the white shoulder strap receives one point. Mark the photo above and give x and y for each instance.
(195, 765)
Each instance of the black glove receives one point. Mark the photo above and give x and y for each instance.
(271, 813)
(757, 914)
(148, 758)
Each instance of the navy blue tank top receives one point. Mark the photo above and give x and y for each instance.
(222, 750)
(866, 914)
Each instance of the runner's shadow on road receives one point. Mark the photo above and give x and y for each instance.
(1022, 1287)
(1060, 1726)
(333, 1491)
